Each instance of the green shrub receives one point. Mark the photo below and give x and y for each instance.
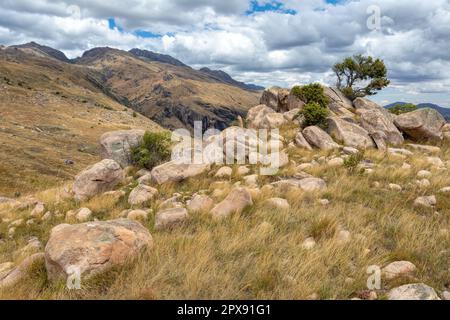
(153, 150)
(402, 108)
(314, 115)
(311, 93)
(353, 160)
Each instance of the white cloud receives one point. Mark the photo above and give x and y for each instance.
(264, 47)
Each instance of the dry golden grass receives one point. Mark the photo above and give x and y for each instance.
(49, 113)
(258, 254)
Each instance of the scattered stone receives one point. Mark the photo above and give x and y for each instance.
(405, 166)
(224, 172)
(424, 183)
(423, 174)
(395, 187)
(47, 216)
(324, 202)
(399, 151)
(421, 124)
(414, 291)
(170, 217)
(398, 269)
(145, 179)
(116, 145)
(251, 180)
(319, 138)
(445, 190)
(243, 170)
(236, 201)
(38, 210)
(200, 203)
(137, 215)
(20, 273)
(435, 161)
(141, 194)
(343, 236)
(99, 178)
(5, 269)
(304, 166)
(446, 295)
(308, 184)
(336, 162)
(174, 172)
(172, 202)
(424, 148)
(93, 247)
(278, 203)
(309, 243)
(426, 201)
(80, 215)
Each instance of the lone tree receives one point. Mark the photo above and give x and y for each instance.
(360, 76)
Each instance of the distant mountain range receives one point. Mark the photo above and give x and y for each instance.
(225, 77)
(444, 111)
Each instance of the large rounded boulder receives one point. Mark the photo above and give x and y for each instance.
(91, 248)
(422, 124)
(96, 179)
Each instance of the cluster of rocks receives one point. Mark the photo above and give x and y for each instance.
(89, 247)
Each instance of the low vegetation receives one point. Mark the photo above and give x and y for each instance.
(314, 115)
(402, 108)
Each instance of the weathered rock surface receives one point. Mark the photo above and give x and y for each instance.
(413, 291)
(349, 133)
(236, 201)
(170, 217)
(93, 247)
(421, 124)
(338, 102)
(11, 276)
(275, 98)
(301, 142)
(116, 145)
(425, 201)
(200, 203)
(398, 269)
(277, 203)
(141, 194)
(307, 184)
(96, 179)
(174, 172)
(319, 138)
(376, 119)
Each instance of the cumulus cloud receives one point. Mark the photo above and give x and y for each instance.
(266, 41)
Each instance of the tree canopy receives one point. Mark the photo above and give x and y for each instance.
(360, 76)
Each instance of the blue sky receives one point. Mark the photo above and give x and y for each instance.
(266, 42)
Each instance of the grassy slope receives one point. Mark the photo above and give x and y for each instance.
(258, 254)
(49, 113)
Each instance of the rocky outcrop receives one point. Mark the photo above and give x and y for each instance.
(319, 138)
(275, 98)
(93, 247)
(377, 121)
(349, 133)
(96, 179)
(301, 142)
(422, 124)
(116, 145)
(263, 117)
(338, 102)
(174, 172)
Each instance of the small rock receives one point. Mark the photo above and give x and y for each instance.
(414, 291)
(145, 179)
(435, 161)
(236, 201)
(350, 150)
(251, 180)
(278, 203)
(445, 190)
(399, 151)
(81, 215)
(38, 210)
(243, 170)
(395, 187)
(343, 236)
(141, 194)
(424, 183)
(309, 243)
(423, 174)
(224, 172)
(137, 215)
(324, 202)
(446, 295)
(21, 272)
(426, 201)
(200, 203)
(405, 166)
(170, 217)
(398, 269)
(336, 162)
